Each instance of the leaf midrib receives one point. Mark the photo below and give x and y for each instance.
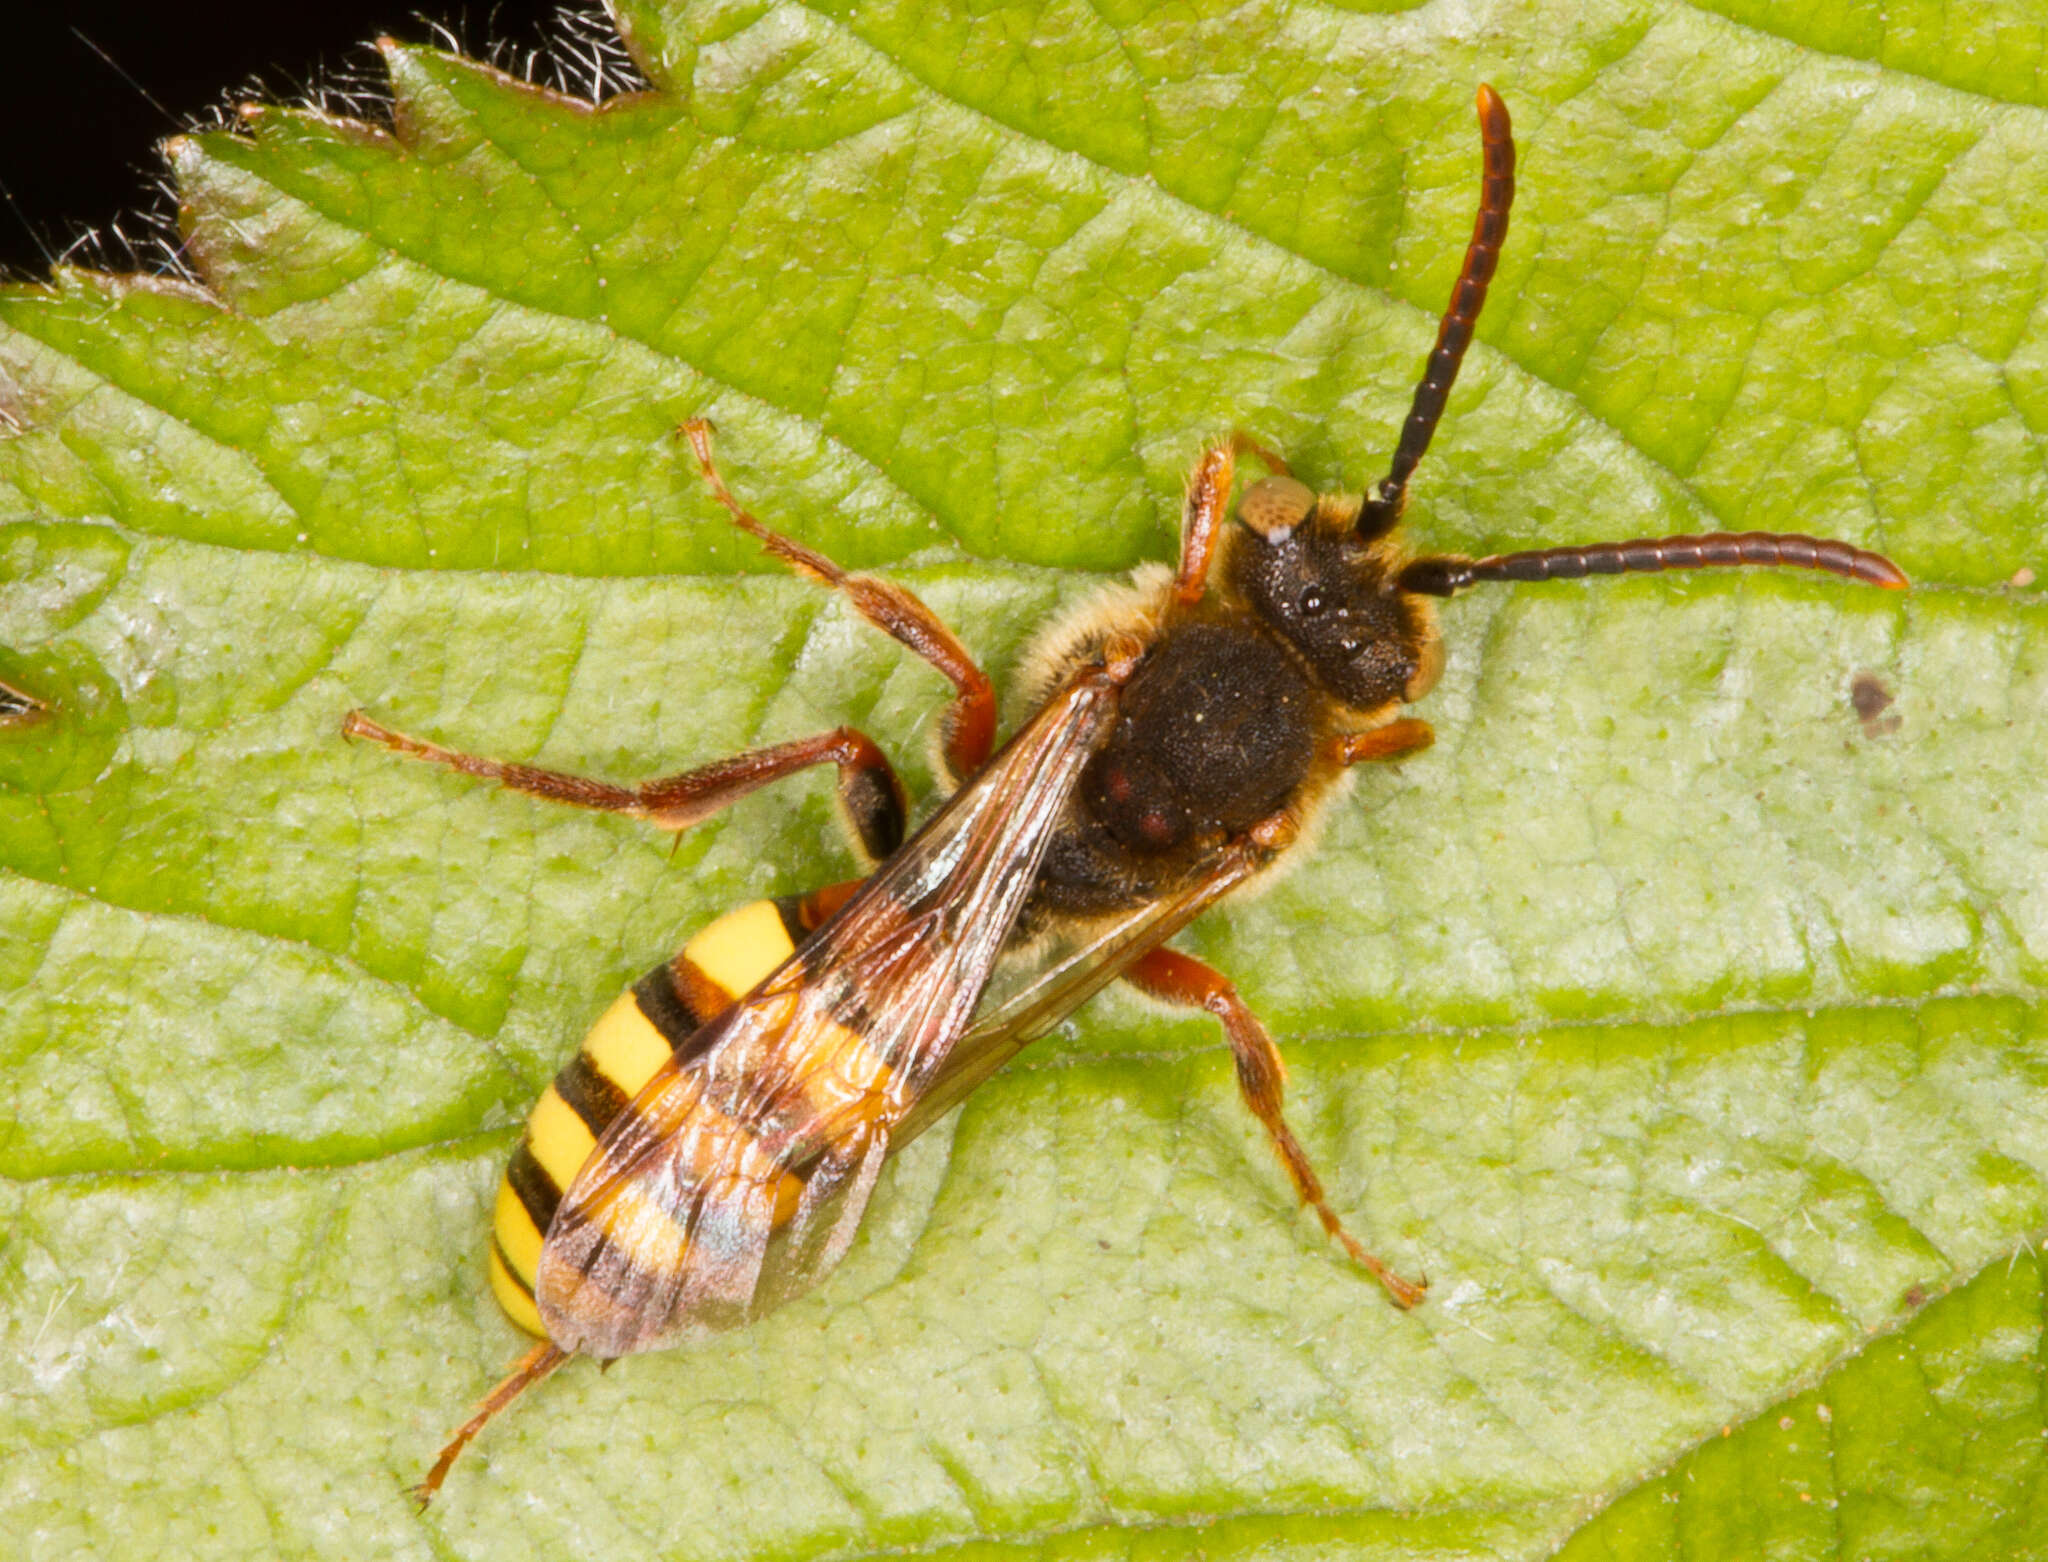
(1298, 1044)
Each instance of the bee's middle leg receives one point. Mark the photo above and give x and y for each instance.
(1185, 982)
(868, 785)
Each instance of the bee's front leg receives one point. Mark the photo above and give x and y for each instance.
(968, 730)
(1207, 507)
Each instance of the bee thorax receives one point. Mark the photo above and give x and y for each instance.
(1215, 731)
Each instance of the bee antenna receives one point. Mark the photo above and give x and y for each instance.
(531, 1368)
(1446, 576)
(1454, 333)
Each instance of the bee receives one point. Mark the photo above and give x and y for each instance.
(709, 1150)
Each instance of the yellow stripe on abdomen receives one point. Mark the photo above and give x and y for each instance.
(624, 1050)
(625, 1047)
(518, 1237)
(732, 1173)
(560, 1140)
(515, 1296)
(844, 1080)
(741, 947)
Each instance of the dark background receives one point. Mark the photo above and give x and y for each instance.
(79, 136)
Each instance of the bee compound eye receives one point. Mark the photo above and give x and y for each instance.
(1274, 506)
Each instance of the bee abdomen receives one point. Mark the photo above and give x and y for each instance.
(651, 1022)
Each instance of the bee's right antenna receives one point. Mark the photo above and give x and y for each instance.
(1447, 575)
(1454, 334)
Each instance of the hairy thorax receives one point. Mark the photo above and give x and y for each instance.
(1216, 731)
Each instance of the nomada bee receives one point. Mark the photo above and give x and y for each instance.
(709, 1150)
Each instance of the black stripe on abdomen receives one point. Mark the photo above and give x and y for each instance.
(591, 1094)
(536, 1189)
(665, 1007)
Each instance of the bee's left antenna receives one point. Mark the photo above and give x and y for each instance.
(1454, 333)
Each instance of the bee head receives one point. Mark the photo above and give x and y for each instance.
(1303, 568)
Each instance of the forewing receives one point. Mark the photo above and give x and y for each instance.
(1067, 978)
(696, 1210)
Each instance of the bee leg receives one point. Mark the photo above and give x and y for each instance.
(1207, 504)
(18, 707)
(814, 908)
(1178, 979)
(527, 1371)
(969, 728)
(1393, 741)
(868, 786)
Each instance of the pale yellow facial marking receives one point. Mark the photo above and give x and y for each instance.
(1274, 507)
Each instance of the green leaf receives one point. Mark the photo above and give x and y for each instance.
(1687, 1029)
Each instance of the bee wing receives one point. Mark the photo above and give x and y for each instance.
(735, 1179)
(1076, 972)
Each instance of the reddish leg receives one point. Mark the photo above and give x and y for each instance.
(969, 729)
(18, 707)
(527, 1371)
(1179, 979)
(868, 787)
(1395, 739)
(1203, 513)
